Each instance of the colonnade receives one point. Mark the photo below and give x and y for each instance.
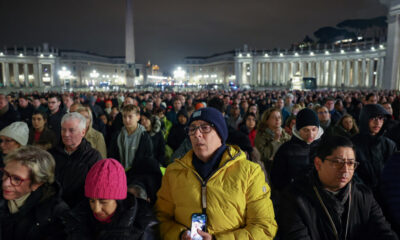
(26, 73)
(349, 70)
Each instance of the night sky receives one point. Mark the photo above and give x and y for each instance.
(168, 30)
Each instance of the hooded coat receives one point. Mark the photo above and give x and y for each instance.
(353, 211)
(38, 219)
(157, 139)
(178, 133)
(371, 151)
(133, 219)
(238, 204)
(292, 159)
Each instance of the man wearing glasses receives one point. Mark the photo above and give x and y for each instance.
(373, 149)
(327, 204)
(217, 180)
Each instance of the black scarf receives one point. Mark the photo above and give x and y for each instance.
(206, 168)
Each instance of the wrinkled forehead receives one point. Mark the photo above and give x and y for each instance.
(198, 123)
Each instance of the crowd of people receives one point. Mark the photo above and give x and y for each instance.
(271, 164)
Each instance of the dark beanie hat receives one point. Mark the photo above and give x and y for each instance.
(213, 116)
(306, 117)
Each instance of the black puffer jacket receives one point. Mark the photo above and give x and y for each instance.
(372, 151)
(302, 216)
(71, 170)
(9, 117)
(132, 220)
(38, 218)
(293, 158)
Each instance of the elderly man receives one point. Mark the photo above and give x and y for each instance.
(30, 205)
(327, 204)
(74, 157)
(217, 180)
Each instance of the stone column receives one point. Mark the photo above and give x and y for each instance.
(370, 73)
(318, 73)
(286, 72)
(36, 75)
(347, 74)
(339, 74)
(332, 70)
(309, 69)
(26, 77)
(279, 73)
(392, 61)
(355, 74)
(6, 74)
(16, 75)
(363, 72)
(380, 74)
(263, 72)
(271, 79)
(238, 71)
(324, 71)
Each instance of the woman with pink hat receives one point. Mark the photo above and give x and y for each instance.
(110, 211)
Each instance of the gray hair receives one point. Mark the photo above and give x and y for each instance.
(40, 162)
(75, 115)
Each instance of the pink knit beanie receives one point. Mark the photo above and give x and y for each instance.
(106, 180)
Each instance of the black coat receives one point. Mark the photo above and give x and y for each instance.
(71, 170)
(132, 220)
(46, 137)
(9, 117)
(159, 148)
(145, 170)
(295, 157)
(26, 114)
(54, 122)
(176, 136)
(371, 151)
(38, 218)
(302, 216)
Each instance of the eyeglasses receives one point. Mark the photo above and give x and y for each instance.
(14, 180)
(204, 128)
(6, 141)
(339, 163)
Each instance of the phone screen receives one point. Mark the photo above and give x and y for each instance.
(198, 222)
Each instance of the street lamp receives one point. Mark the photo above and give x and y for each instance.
(64, 74)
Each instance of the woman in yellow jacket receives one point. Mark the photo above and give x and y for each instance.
(217, 180)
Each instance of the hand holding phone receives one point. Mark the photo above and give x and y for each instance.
(198, 222)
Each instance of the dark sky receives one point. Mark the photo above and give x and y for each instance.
(168, 30)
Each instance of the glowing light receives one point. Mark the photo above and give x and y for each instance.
(326, 52)
(281, 54)
(357, 50)
(296, 54)
(342, 51)
(21, 55)
(311, 53)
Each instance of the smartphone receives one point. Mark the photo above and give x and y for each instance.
(198, 222)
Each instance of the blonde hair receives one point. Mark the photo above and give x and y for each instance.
(262, 125)
(40, 162)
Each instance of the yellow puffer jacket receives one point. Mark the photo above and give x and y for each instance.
(238, 199)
